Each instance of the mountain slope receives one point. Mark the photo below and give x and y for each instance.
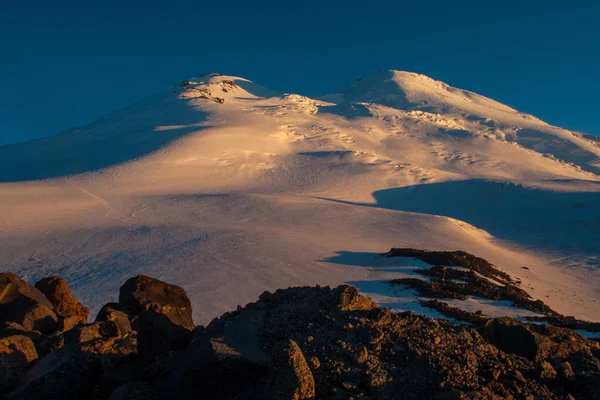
(229, 189)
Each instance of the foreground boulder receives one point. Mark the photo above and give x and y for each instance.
(143, 293)
(23, 304)
(66, 305)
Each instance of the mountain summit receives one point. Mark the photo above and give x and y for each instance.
(230, 188)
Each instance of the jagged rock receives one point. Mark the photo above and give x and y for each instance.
(117, 320)
(545, 371)
(143, 293)
(157, 334)
(134, 391)
(291, 377)
(25, 305)
(22, 344)
(66, 305)
(347, 298)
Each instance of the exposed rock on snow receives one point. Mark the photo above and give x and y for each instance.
(297, 103)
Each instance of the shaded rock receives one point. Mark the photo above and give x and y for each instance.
(66, 305)
(68, 323)
(22, 344)
(43, 344)
(117, 320)
(565, 371)
(143, 293)
(210, 367)
(68, 373)
(134, 391)
(111, 346)
(84, 333)
(11, 368)
(25, 305)
(118, 363)
(157, 334)
(290, 377)
(515, 337)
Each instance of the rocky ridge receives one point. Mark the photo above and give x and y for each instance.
(296, 343)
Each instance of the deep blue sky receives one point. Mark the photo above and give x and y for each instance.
(66, 63)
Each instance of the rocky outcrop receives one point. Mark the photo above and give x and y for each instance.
(23, 304)
(297, 343)
(65, 304)
(143, 293)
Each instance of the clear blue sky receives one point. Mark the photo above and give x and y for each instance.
(66, 63)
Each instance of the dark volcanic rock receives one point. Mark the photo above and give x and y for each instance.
(514, 337)
(25, 305)
(12, 365)
(291, 377)
(134, 391)
(84, 333)
(452, 258)
(221, 362)
(297, 343)
(66, 305)
(21, 344)
(157, 334)
(115, 319)
(68, 373)
(143, 293)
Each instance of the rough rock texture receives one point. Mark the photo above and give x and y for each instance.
(156, 334)
(25, 305)
(66, 305)
(143, 293)
(291, 377)
(68, 373)
(297, 343)
(21, 344)
(116, 319)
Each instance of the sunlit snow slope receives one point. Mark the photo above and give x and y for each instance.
(229, 189)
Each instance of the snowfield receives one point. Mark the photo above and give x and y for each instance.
(229, 189)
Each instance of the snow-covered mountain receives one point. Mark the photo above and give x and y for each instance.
(229, 189)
